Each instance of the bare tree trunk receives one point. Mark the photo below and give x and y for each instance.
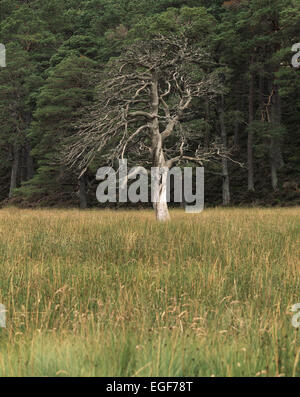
(160, 195)
(82, 192)
(14, 170)
(250, 133)
(160, 203)
(161, 206)
(162, 212)
(225, 173)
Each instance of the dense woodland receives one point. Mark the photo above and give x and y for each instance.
(59, 53)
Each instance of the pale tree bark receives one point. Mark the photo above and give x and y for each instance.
(160, 201)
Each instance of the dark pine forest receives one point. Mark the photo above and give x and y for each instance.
(58, 52)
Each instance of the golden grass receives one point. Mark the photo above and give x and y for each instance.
(104, 293)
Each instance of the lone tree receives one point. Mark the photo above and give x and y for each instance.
(141, 103)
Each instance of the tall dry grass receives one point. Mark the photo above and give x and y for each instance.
(103, 293)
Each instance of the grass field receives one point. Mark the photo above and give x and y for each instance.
(103, 293)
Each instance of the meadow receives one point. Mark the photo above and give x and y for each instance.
(114, 293)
